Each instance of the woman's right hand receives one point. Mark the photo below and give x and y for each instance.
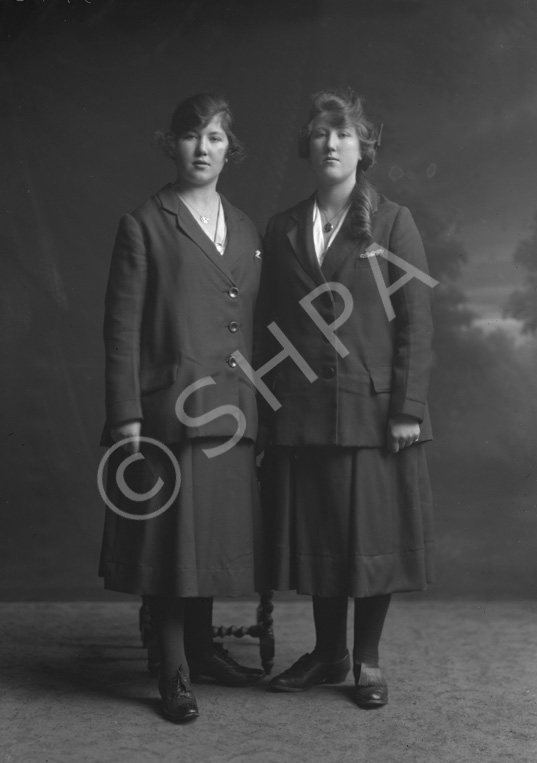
(130, 429)
(403, 431)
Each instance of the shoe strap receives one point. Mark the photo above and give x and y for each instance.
(368, 675)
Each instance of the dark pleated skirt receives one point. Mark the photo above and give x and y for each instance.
(207, 543)
(348, 521)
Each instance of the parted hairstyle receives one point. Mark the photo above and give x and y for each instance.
(344, 108)
(197, 111)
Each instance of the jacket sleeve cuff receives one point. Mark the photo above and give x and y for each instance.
(124, 411)
(410, 408)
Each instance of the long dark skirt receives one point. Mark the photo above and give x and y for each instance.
(348, 521)
(207, 543)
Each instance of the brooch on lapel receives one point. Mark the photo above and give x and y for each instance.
(373, 250)
(257, 254)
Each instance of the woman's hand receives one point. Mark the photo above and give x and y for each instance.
(402, 432)
(129, 429)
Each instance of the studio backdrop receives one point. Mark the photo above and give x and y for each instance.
(86, 84)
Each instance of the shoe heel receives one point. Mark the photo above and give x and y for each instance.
(338, 673)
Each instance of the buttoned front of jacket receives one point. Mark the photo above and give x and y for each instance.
(176, 311)
(384, 367)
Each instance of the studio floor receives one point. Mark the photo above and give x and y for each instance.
(462, 678)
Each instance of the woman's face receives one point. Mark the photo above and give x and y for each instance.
(201, 153)
(334, 151)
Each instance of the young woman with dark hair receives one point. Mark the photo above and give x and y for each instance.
(180, 299)
(200, 110)
(345, 479)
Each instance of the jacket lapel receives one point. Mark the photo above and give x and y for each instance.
(344, 245)
(300, 235)
(339, 250)
(185, 222)
(235, 238)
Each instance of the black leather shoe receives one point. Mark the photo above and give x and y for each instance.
(222, 668)
(371, 688)
(178, 701)
(308, 671)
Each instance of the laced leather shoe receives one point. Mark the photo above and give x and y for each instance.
(223, 669)
(308, 671)
(178, 701)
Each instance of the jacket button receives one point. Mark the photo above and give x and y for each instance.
(233, 327)
(329, 372)
(233, 292)
(232, 363)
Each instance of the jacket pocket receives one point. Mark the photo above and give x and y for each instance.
(152, 379)
(381, 378)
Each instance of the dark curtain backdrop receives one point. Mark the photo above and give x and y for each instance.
(86, 84)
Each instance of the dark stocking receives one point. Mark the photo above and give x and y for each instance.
(199, 628)
(330, 617)
(168, 615)
(369, 615)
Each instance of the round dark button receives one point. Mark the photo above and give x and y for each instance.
(329, 372)
(233, 292)
(233, 327)
(232, 363)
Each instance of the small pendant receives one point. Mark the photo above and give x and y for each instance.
(328, 227)
(204, 220)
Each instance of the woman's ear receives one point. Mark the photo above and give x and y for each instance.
(367, 157)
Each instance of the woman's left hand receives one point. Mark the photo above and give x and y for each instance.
(403, 431)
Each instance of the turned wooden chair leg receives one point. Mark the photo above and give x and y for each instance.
(149, 637)
(262, 630)
(266, 632)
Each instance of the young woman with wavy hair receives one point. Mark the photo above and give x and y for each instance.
(345, 483)
(180, 301)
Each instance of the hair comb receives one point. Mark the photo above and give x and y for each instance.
(379, 135)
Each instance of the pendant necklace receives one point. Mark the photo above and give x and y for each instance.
(218, 244)
(328, 226)
(202, 218)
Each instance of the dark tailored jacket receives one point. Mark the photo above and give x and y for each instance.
(175, 311)
(387, 369)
